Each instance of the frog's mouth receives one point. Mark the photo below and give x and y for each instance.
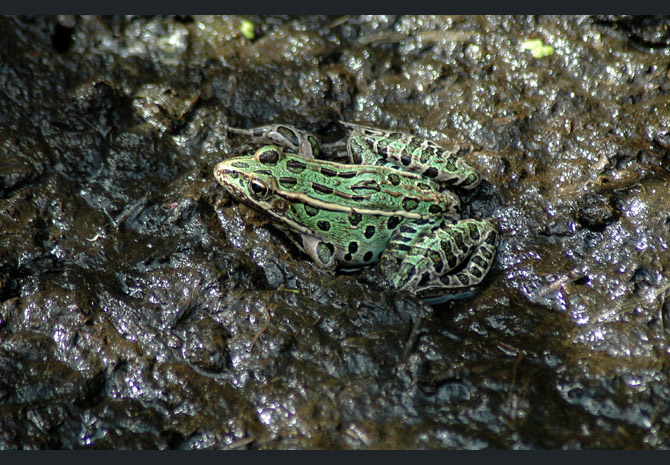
(228, 177)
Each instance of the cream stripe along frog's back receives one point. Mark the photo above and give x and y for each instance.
(392, 206)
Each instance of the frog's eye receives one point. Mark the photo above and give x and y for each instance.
(258, 188)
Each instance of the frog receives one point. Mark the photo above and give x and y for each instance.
(391, 203)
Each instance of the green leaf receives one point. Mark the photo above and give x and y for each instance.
(248, 29)
(537, 48)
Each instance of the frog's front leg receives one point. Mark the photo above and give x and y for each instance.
(423, 261)
(294, 139)
(321, 252)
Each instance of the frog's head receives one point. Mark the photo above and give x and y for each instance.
(249, 178)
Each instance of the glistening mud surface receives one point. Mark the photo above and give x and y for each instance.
(141, 308)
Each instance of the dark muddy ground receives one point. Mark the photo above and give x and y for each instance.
(140, 307)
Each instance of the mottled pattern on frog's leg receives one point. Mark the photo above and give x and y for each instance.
(402, 245)
(321, 252)
(296, 140)
(403, 151)
(476, 268)
(468, 245)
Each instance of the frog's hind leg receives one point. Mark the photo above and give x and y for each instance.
(447, 257)
(290, 137)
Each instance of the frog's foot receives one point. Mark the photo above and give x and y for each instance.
(450, 258)
(296, 140)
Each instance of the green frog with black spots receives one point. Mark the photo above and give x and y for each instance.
(392, 203)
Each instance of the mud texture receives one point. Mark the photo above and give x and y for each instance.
(140, 307)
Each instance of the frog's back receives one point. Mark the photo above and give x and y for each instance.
(370, 190)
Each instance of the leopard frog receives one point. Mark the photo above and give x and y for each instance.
(391, 204)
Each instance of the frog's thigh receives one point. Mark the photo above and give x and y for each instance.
(361, 153)
(322, 253)
(469, 242)
(294, 139)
